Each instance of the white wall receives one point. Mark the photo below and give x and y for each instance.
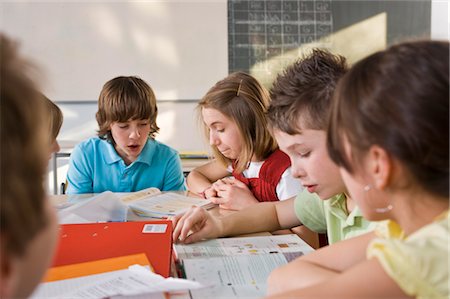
(179, 47)
(440, 21)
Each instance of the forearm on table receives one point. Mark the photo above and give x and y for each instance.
(298, 274)
(197, 182)
(257, 218)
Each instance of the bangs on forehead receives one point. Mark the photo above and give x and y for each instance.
(295, 120)
(124, 109)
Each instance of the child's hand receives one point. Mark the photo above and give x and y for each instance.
(209, 192)
(194, 225)
(232, 194)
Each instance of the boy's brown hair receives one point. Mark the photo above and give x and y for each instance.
(244, 100)
(398, 100)
(304, 92)
(123, 99)
(24, 149)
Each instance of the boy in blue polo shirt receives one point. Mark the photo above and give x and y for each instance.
(124, 157)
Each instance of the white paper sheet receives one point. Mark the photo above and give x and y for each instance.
(134, 281)
(233, 276)
(237, 267)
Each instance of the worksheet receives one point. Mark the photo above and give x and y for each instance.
(236, 267)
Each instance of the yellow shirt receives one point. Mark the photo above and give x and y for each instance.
(417, 263)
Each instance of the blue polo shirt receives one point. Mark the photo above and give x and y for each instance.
(96, 167)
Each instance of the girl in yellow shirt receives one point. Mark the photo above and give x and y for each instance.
(389, 133)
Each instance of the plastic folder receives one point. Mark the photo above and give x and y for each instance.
(96, 267)
(79, 243)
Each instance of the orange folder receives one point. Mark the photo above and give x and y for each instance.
(79, 243)
(96, 267)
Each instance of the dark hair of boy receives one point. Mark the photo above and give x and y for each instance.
(304, 92)
(381, 107)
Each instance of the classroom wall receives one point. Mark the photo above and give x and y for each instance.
(179, 47)
(440, 20)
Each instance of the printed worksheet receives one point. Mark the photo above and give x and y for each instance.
(243, 246)
(234, 276)
(236, 267)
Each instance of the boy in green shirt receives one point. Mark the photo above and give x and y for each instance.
(301, 98)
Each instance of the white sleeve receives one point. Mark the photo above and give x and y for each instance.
(288, 186)
(230, 168)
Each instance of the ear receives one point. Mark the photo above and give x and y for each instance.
(380, 166)
(7, 268)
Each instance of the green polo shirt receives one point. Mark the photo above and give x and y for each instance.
(330, 216)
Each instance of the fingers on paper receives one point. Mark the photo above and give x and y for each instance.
(190, 223)
(178, 224)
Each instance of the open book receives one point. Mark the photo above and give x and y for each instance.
(236, 267)
(152, 202)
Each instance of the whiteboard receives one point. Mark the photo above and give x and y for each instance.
(178, 47)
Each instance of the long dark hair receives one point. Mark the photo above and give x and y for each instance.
(397, 99)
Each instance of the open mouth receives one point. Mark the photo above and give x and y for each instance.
(133, 147)
(310, 188)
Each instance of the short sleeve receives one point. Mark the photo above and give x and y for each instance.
(309, 209)
(80, 173)
(419, 263)
(174, 178)
(288, 186)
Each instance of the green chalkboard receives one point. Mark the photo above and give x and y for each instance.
(264, 36)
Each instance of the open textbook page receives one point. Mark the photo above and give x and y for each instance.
(152, 202)
(237, 267)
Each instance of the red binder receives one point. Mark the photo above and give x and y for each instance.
(86, 242)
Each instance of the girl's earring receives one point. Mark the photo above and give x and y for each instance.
(388, 208)
(384, 210)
